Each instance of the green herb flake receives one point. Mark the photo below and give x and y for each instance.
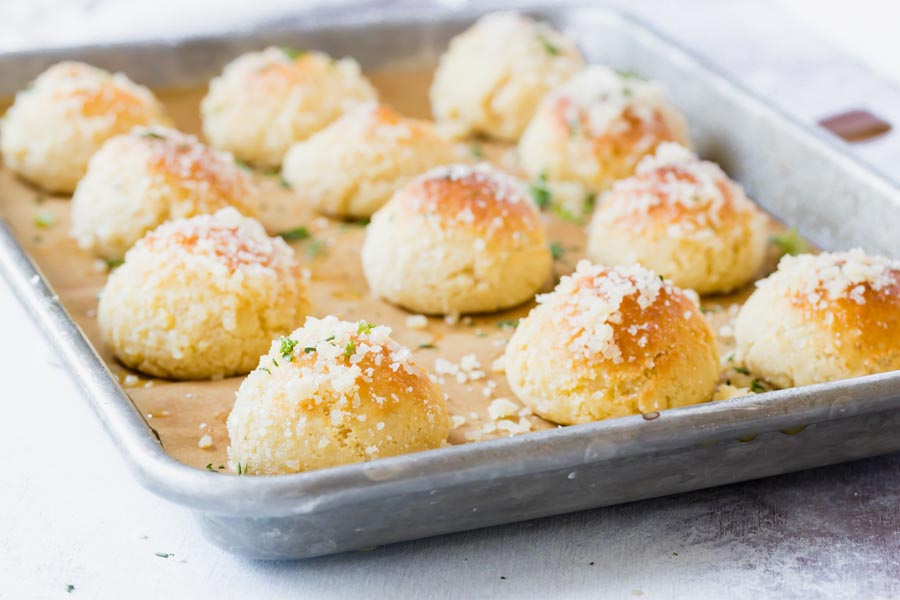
(283, 182)
(152, 135)
(264, 369)
(540, 194)
(112, 263)
(556, 250)
(629, 74)
(756, 387)
(742, 370)
(70, 588)
(239, 469)
(309, 349)
(329, 338)
(294, 235)
(44, 220)
(350, 349)
(287, 348)
(292, 53)
(476, 151)
(565, 214)
(242, 165)
(209, 467)
(427, 347)
(364, 328)
(790, 242)
(164, 554)
(315, 248)
(511, 323)
(274, 362)
(549, 46)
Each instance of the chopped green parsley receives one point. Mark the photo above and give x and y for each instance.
(539, 192)
(287, 348)
(292, 235)
(315, 248)
(44, 219)
(790, 242)
(292, 53)
(557, 250)
(756, 387)
(549, 46)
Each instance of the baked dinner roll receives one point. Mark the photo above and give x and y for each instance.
(596, 127)
(610, 342)
(55, 125)
(458, 239)
(333, 393)
(494, 74)
(265, 101)
(351, 168)
(822, 318)
(684, 218)
(139, 180)
(201, 297)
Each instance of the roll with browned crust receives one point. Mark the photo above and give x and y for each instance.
(202, 297)
(458, 239)
(333, 393)
(822, 318)
(610, 342)
(685, 219)
(54, 127)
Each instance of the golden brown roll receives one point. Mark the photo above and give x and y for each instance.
(265, 101)
(351, 168)
(822, 318)
(610, 342)
(493, 75)
(333, 393)
(458, 239)
(201, 297)
(54, 127)
(595, 128)
(683, 218)
(139, 180)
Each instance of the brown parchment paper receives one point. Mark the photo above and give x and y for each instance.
(182, 412)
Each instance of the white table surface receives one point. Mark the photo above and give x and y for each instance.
(73, 515)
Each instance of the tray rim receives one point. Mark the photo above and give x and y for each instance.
(303, 492)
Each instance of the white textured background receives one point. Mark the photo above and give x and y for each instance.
(79, 518)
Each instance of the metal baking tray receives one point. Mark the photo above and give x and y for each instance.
(803, 177)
